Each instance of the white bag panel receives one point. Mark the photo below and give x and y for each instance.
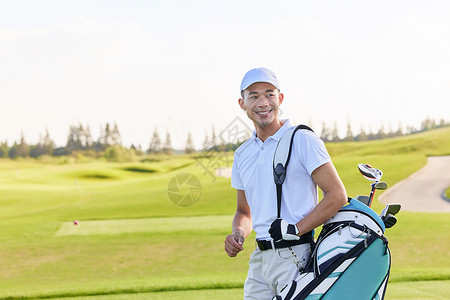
(358, 218)
(338, 243)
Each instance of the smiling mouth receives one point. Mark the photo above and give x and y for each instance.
(264, 113)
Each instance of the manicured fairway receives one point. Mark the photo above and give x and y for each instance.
(417, 290)
(151, 225)
(133, 242)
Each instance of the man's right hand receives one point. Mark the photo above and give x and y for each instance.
(233, 244)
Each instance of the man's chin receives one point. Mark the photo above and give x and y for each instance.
(264, 123)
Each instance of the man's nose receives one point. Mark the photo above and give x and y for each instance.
(263, 100)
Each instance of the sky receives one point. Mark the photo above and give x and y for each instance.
(177, 65)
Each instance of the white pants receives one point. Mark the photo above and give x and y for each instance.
(271, 270)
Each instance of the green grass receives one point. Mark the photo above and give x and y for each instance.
(152, 225)
(132, 240)
(417, 290)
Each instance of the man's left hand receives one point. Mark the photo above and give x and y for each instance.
(281, 230)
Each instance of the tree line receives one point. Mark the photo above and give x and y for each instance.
(109, 143)
(330, 134)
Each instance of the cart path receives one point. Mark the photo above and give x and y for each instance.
(423, 190)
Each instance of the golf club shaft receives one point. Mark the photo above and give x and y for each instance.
(372, 192)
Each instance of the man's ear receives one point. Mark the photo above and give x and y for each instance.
(242, 103)
(281, 98)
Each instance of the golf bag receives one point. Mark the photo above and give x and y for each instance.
(351, 258)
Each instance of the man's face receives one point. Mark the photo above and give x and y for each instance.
(261, 102)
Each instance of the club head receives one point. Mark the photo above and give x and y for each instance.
(363, 199)
(370, 173)
(389, 221)
(390, 209)
(394, 208)
(380, 185)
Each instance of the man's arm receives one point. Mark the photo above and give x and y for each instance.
(335, 196)
(242, 226)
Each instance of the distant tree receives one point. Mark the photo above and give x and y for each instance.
(349, 136)
(399, 131)
(60, 151)
(74, 140)
(213, 142)
(86, 138)
(20, 150)
(106, 136)
(381, 134)
(410, 129)
(155, 144)
(428, 124)
(334, 133)
(326, 133)
(4, 149)
(362, 136)
(390, 132)
(206, 142)
(47, 144)
(371, 135)
(167, 148)
(189, 144)
(115, 136)
(433, 124)
(35, 151)
(442, 123)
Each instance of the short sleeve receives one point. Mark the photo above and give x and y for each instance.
(313, 152)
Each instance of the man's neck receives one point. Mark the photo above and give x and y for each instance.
(264, 132)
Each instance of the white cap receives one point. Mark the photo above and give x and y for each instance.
(259, 75)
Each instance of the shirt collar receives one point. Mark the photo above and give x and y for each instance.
(286, 125)
(277, 136)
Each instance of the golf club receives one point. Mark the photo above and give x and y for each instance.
(363, 199)
(370, 173)
(379, 185)
(390, 209)
(389, 220)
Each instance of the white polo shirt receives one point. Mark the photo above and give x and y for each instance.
(253, 172)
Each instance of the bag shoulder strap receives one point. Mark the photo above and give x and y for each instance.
(281, 159)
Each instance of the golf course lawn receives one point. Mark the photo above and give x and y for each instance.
(418, 290)
(132, 242)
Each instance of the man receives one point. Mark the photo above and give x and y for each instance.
(273, 264)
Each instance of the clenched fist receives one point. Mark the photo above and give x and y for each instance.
(233, 244)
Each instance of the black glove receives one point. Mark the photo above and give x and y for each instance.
(281, 230)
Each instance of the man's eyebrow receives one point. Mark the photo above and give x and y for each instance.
(266, 91)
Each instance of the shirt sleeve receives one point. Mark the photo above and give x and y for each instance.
(313, 152)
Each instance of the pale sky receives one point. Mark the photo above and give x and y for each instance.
(178, 65)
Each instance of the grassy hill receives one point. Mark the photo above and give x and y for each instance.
(131, 238)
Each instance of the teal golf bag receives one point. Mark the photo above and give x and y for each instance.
(351, 258)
